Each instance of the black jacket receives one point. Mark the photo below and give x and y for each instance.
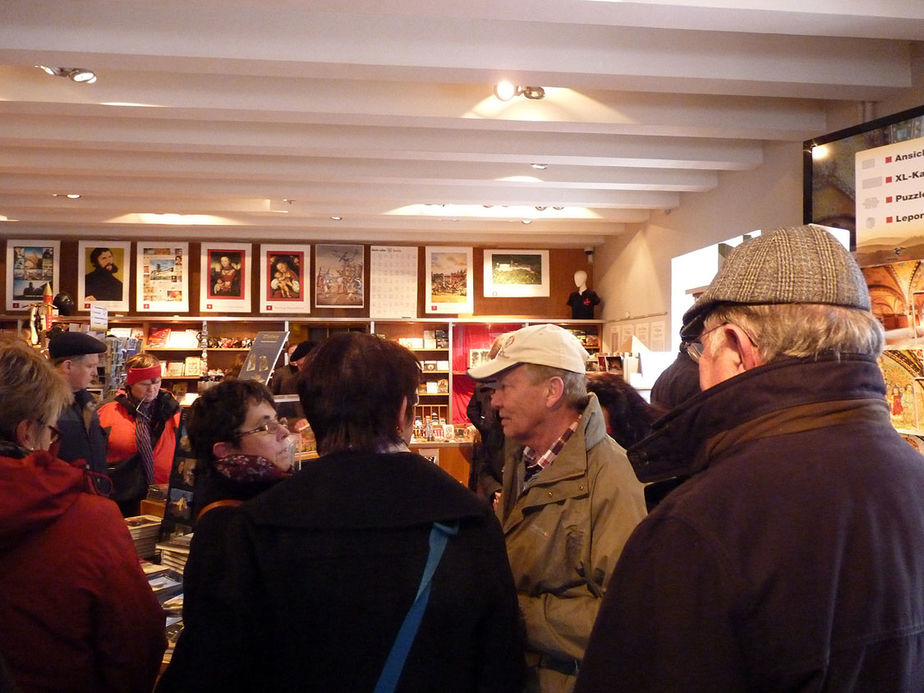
(82, 437)
(319, 571)
(791, 560)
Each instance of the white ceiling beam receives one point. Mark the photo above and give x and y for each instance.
(142, 36)
(282, 170)
(374, 142)
(357, 102)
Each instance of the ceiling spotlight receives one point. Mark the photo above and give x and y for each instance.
(69, 196)
(540, 208)
(527, 221)
(541, 167)
(336, 218)
(75, 74)
(505, 91)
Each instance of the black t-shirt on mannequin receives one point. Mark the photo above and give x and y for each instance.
(583, 300)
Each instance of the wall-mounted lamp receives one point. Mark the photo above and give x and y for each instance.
(75, 74)
(507, 90)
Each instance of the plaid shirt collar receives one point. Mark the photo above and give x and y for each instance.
(535, 463)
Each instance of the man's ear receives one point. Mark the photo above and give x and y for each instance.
(748, 352)
(555, 389)
(221, 449)
(737, 354)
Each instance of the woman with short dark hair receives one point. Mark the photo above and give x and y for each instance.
(321, 571)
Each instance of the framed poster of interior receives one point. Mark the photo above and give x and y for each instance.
(516, 273)
(33, 266)
(103, 274)
(162, 276)
(449, 280)
(225, 284)
(285, 272)
(338, 276)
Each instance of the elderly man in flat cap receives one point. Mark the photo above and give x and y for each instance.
(76, 357)
(569, 499)
(792, 558)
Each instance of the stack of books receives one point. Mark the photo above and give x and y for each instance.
(166, 585)
(175, 551)
(144, 530)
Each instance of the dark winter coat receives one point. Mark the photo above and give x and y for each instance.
(792, 559)
(319, 571)
(83, 440)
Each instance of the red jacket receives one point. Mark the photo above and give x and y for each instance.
(118, 416)
(77, 611)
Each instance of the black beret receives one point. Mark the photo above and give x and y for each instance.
(66, 344)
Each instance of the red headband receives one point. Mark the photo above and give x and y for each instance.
(136, 375)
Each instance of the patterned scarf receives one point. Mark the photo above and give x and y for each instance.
(143, 439)
(248, 469)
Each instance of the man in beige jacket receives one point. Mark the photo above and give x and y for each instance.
(569, 498)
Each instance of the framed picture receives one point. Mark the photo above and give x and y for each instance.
(225, 283)
(103, 274)
(285, 272)
(516, 273)
(34, 265)
(162, 282)
(449, 280)
(339, 276)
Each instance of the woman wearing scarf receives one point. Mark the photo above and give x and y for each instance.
(141, 423)
(77, 612)
(313, 579)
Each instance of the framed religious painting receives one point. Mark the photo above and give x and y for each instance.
(103, 274)
(285, 278)
(32, 266)
(225, 283)
(516, 273)
(162, 276)
(339, 277)
(448, 280)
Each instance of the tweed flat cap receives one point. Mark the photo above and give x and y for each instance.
(797, 264)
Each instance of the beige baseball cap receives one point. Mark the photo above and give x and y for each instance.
(543, 345)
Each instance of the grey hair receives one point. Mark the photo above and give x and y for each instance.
(804, 329)
(574, 392)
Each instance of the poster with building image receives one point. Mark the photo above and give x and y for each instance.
(103, 274)
(448, 280)
(516, 273)
(33, 265)
(162, 282)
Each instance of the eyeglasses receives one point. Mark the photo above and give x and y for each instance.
(695, 349)
(268, 427)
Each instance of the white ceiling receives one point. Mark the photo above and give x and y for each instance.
(207, 116)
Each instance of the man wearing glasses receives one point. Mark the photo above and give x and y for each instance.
(791, 558)
(76, 356)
